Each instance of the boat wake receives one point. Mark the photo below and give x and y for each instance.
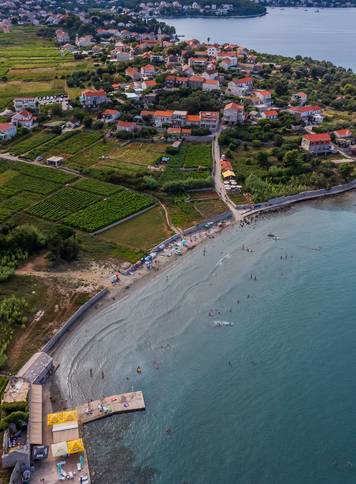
(221, 324)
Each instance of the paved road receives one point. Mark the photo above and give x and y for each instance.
(219, 185)
(9, 157)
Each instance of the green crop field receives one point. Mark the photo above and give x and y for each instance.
(192, 161)
(31, 184)
(96, 186)
(30, 142)
(113, 209)
(95, 153)
(48, 174)
(68, 144)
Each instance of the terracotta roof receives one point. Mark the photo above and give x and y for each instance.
(235, 106)
(193, 118)
(318, 137)
(94, 92)
(271, 112)
(109, 112)
(126, 124)
(343, 133)
(162, 114)
(197, 79)
(263, 92)
(305, 109)
(243, 80)
(212, 82)
(5, 126)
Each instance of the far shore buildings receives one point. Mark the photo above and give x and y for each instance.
(317, 144)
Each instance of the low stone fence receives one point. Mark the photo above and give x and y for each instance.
(130, 217)
(73, 319)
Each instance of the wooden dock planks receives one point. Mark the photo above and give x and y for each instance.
(116, 404)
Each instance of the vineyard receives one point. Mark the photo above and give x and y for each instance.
(113, 209)
(98, 187)
(63, 203)
(30, 142)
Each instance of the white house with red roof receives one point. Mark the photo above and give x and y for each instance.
(270, 114)
(317, 144)
(128, 126)
(209, 119)
(265, 97)
(92, 98)
(343, 134)
(149, 84)
(132, 73)
(110, 115)
(62, 37)
(240, 87)
(7, 131)
(25, 119)
(211, 85)
(234, 113)
(305, 112)
(148, 71)
(300, 97)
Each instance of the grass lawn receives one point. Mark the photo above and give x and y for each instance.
(141, 233)
(136, 155)
(11, 89)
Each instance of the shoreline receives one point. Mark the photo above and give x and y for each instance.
(162, 262)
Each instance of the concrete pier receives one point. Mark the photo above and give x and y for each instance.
(116, 404)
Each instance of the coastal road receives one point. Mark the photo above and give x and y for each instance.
(219, 185)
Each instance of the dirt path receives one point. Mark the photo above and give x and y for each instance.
(168, 222)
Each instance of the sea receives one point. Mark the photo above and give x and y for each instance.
(324, 34)
(247, 355)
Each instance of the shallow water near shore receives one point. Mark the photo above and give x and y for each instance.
(266, 399)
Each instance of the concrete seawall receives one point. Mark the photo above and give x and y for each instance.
(73, 319)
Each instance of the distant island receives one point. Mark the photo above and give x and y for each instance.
(201, 8)
(309, 3)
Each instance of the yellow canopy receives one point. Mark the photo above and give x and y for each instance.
(75, 446)
(62, 417)
(228, 173)
(59, 449)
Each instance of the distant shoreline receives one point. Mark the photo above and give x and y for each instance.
(163, 17)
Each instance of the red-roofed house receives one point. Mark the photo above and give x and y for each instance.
(91, 98)
(110, 115)
(196, 82)
(343, 133)
(149, 84)
(7, 131)
(24, 119)
(148, 71)
(132, 73)
(129, 126)
(239, 87)
(234, 113)
(300, 97)
(211, 85)
(317, 144)
(271, 115)
(209, 119)
(305, 112)
(265, 97)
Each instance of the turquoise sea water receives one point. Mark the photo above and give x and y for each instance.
(269, 399)
(329, 34)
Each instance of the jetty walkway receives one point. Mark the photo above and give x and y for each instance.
(124, 403)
